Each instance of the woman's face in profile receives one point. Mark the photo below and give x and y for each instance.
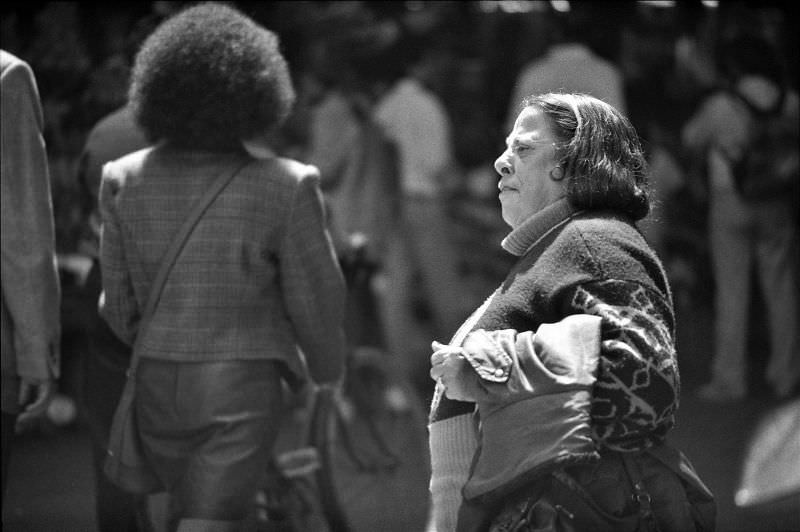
(524, 167)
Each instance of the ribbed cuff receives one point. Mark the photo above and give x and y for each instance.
(453, 444)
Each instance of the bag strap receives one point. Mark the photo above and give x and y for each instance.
(174, 249)
(676, 461)
(641, 497)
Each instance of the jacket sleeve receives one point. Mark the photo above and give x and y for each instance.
(313, 284)
(638, 385)
(31, 290)
(514, 365)
(117, 305)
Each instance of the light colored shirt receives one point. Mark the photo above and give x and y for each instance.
(415, 119)
(334, 131)
(569, 67)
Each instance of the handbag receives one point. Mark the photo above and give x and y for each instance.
(126, 464)
(559, 503)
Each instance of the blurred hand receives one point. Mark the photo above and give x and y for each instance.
(335, 389)
(450, 366)
(34, 395)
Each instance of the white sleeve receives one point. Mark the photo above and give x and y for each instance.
(453, 444)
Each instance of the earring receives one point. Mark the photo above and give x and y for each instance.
(557, 173)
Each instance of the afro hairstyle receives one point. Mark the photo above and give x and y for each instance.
(208, 78)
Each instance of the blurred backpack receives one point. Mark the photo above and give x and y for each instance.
(768, 166)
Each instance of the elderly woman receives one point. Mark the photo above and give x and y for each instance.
(554, 399)
(257, 279)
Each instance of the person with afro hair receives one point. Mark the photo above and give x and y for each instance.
(256, 297)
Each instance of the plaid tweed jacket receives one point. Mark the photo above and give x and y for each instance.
(258, 277)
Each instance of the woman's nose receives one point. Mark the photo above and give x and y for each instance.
(502, 166)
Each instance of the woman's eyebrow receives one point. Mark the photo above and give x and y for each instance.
(515, 141)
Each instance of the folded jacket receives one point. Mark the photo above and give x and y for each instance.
(535, 401)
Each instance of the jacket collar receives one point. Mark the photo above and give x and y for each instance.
(532, 230)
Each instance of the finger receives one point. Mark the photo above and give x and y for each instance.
(40, 400)
(458, 390)
(453, 362)
(25, 389)
(437, 345)
(447, 375)
(437, 372)
(23, 423)
(454, 393)
(445, 354)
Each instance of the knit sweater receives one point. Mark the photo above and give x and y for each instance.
(573, 262)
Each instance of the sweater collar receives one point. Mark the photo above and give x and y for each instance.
(531, 231)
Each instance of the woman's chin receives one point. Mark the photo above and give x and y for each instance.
(509, 219)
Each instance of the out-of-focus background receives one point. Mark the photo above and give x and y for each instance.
(667, 56)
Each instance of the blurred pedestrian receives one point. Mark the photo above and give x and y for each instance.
(570, 65)
(257, 279)
(422, 259)
(106, 359)
(359, 171)
(30, 286)
(747, 232)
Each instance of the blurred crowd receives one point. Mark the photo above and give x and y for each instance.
(665, 54)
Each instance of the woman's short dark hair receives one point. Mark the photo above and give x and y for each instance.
(208, 78)
(599, 151)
